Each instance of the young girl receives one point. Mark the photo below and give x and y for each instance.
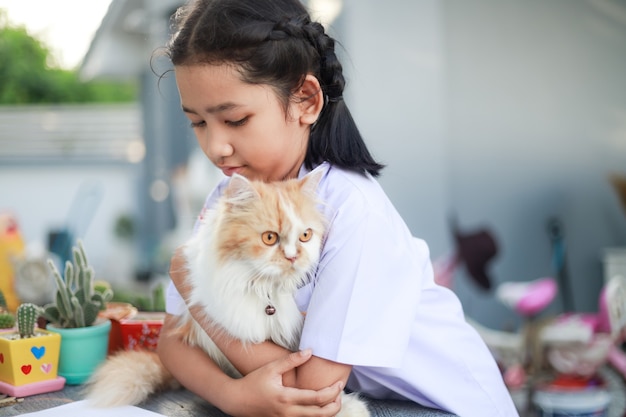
(262, 87)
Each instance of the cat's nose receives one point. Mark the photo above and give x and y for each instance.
(291, 259)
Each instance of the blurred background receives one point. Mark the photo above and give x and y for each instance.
(504, 117)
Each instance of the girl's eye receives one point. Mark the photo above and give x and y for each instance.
(306, 235)
(237, 123)
(193, 125)
(269, 238)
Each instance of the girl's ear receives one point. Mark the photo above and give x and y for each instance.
(311, 100)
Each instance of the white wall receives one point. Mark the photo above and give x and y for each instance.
(42, 198)
(393, 62)
(505, 113)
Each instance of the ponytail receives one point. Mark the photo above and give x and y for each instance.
(335, 138)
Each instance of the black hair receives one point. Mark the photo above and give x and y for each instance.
(274, 42)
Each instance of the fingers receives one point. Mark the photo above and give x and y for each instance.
(291, 361)
(322, 398)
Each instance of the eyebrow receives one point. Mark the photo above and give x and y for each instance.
(215, 109)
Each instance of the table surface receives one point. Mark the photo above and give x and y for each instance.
(179, 403)
(172, 403)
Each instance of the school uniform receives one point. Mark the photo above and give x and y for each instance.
(373, 304)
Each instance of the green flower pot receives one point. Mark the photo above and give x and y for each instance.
(82, 350)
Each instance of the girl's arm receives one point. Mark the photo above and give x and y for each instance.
(316, 373)
(264, 395)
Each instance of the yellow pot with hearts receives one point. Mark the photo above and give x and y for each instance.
(29, 360)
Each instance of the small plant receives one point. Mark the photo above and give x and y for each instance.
(27, 314)
(7, 319)
(3, 301)
(76, 303)
(29, 356)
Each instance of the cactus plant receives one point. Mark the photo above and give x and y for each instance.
(27, 314)
(7, 320)
(158, 297)
(76, 304)
(3, 301)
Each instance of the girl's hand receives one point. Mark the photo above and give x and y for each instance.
(261, 393)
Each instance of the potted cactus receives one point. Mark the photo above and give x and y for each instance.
(29, 356)
(7, 319)
(74, 315)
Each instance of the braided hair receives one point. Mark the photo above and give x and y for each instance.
(274, 42)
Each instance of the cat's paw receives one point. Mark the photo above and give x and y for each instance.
(353, 406)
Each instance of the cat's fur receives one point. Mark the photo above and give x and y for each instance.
(234, 276)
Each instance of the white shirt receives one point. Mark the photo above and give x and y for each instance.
(373, 304)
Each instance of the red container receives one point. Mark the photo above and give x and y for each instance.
(142, 330)
(117, 311)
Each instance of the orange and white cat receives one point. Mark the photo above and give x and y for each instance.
(245, 261)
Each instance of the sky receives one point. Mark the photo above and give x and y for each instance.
(65, 26)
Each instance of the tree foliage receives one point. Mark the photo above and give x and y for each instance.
(29, 74)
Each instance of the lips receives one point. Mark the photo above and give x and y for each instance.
(229, 171)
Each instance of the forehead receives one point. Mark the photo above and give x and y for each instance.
(205, 86)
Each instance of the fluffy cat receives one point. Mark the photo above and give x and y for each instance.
(245, 262)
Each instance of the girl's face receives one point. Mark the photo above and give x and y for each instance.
(242, 128)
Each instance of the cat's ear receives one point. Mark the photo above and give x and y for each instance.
(240, 189)
(311, 180)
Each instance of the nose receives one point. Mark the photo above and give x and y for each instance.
(217, 145)
(290, 252)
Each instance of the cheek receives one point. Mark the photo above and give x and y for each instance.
(268, 261)
(309, 254)
(261, 251)
(263, 151)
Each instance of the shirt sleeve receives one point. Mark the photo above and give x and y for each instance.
(367, 287)
(174, 303)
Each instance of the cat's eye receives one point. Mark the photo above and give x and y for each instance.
(306, 235)
(269, 238)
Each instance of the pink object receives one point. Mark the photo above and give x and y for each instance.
(40, 387)
(528, 298)
(603, 321)
(515, 377)
(443, 269)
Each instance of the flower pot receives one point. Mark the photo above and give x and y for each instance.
(117, 311)
(29, 366)
(82, 350)
(142, 330)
